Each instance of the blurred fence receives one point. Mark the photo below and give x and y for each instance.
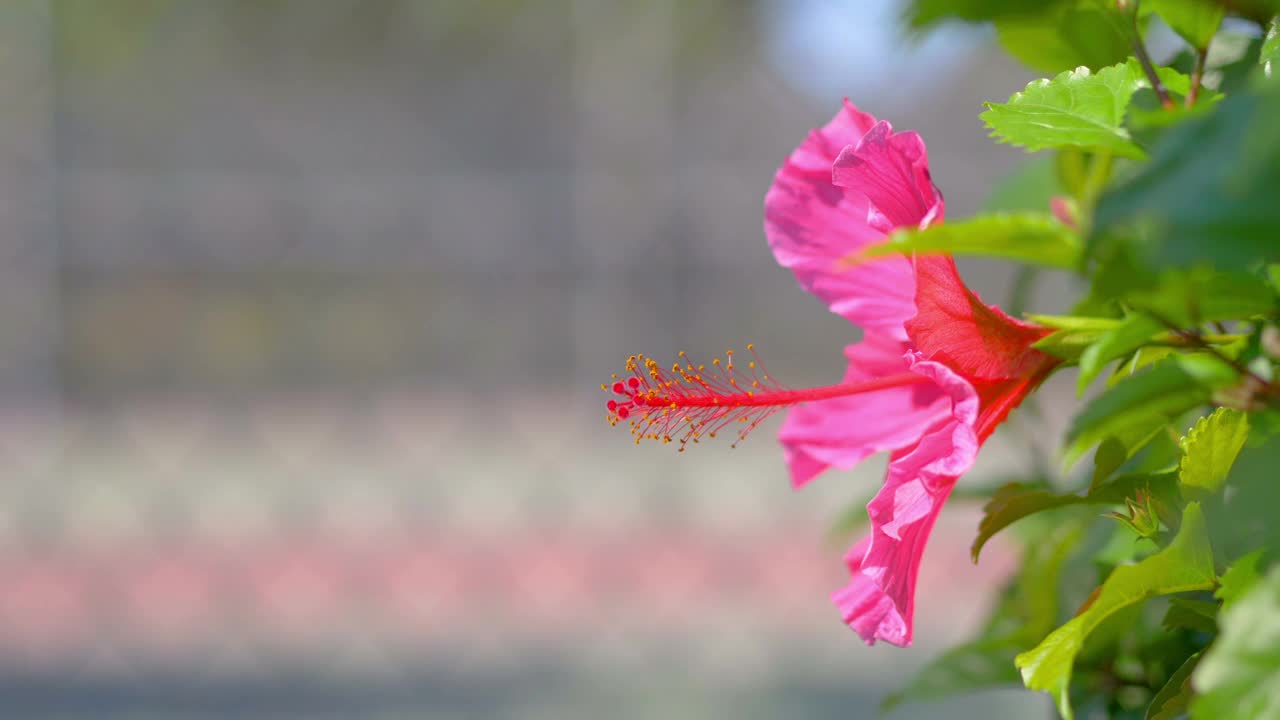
(304, 308)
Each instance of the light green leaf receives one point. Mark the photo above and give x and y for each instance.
(1132, 334)
(1185, 565)
(1196, 21)
(1239, 578)
(1210, 448)
(1172, 699)
(1077, 108)
(1147, 398)
(1239, 677)
(1075, 322)
(1028, 237)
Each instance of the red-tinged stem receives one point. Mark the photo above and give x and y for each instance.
(1140, 52)
(1197, 76)
(783, 397)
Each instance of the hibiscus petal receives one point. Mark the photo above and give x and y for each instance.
(879, 601)
(812, 224)
(892, 171)
(841, 432)
(954, 327)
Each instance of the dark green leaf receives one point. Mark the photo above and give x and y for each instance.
(1133, 333)
(1016, 501)
(1150, 397)
(1172, 700)
(1115, 450)
(1185, 565)
(1191, 614)
(1191, 297)
(1208, 193)
(921, 13)
(1239, 677)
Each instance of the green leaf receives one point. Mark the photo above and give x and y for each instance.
(1068, 344)
(1200, 615)
(1133, 333)
(1239, 677)
(1270, 52)
(1016, 501)
(1172, 699)
(1191, 297)
(1067, 36)
(1141, 358)
(922, 13)
(1210, 448)
(1077, 108)
(1153, 396)
(1185, 565)
(1099, 325)
(1208, 194)
(1196, 21)
(1033, 238)
(1239, 578)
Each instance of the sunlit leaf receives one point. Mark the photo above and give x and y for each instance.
(1186, 564)
(1033, 238)
(1078, 108)
(1210, 448)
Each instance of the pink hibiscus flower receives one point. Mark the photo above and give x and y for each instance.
(935, 372)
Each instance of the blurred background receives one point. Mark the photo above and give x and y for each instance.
(305, 305)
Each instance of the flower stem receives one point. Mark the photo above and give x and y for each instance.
(1140, 52)
(1197, 75)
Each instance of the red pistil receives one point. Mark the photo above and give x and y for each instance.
(691, 400)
